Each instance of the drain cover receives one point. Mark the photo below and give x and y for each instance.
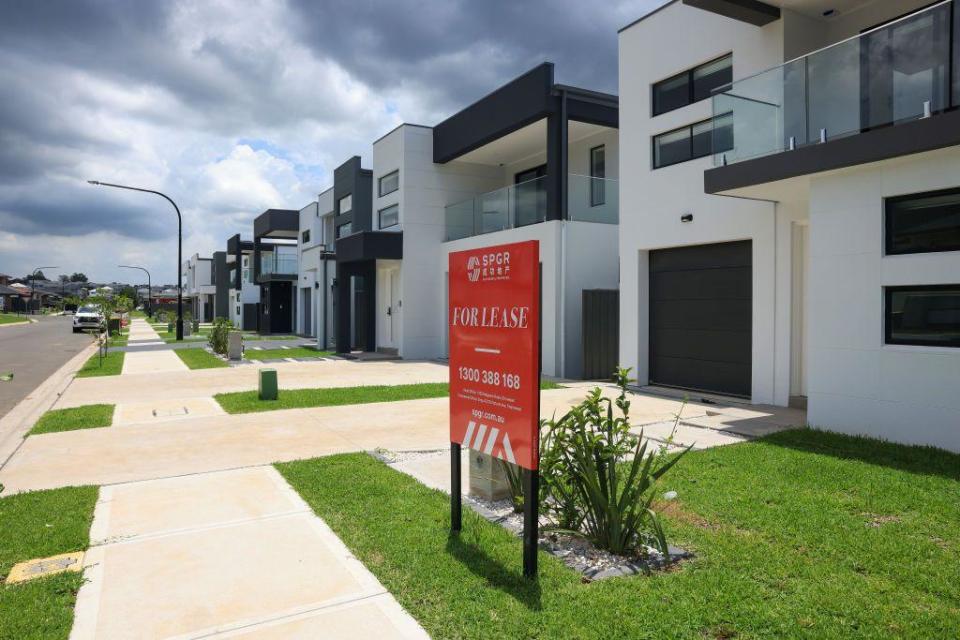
(46, 566)
(167, 413)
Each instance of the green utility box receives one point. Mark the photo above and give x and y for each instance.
(113, 326)
(268, 384)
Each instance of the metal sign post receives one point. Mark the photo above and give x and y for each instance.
(495, 370)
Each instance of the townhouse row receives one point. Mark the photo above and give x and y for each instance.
(770, 210)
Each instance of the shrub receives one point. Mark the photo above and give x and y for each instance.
(599, 478)
(219, 334)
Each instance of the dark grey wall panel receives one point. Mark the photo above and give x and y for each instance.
(701, 300)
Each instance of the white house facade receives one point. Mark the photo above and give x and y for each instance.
(790, 228)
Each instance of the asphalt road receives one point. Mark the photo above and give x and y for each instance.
(32, 352)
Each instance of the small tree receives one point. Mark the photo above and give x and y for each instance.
(219, 335)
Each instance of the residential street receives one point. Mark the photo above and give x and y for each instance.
(32, 352)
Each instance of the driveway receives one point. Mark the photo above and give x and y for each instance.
(34, 351)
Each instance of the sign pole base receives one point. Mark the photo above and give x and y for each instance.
(531, 521)
(456, 503)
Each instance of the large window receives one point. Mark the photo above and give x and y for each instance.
(389, 216)
(923, 222)
(692, 85)
(923, 315)
(344, 230)
(598, 171)
(346, 204)
(693, 141)
(389, 183)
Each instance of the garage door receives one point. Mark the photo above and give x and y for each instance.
(700, 317)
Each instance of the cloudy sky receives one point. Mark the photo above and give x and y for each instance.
(235, 107)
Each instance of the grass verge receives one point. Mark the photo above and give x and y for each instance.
(249, 402)
(200, 359)
(111, 365)
(90, 416)
(294, 352)
(37, 525)
(12, 318)
(799, 535)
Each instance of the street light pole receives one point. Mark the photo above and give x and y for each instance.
(179, 245)
(33, 284)
(149, 286)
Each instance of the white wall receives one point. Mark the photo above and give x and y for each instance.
(857, 383)
(652, 201)
(425, 189)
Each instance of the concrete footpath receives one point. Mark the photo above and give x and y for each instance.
(235, 554)
(148, 362)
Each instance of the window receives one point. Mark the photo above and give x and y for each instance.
(693, 141)
(598, 171)
(346, 203)
(306, 236)
(692, 85)
(923, 315)
(344, 230)
(389, 183)
(923, 222)
(389, 216)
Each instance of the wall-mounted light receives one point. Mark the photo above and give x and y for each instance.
(687, 217)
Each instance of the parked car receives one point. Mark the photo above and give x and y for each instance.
(89, 317)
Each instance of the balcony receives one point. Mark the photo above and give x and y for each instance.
(588, 200)
(898, 73)
(278, 267)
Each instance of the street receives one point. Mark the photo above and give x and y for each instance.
(32, 352)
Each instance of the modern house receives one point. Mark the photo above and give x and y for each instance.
(199, 287)
(317, 272)
(275, 268)
(532, 160)
(243, 296)
(791, 227)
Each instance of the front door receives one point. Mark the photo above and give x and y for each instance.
(388, 331)
(307, 329)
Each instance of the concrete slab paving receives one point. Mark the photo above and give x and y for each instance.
(211, 574)
(217, 442)
(151, 363)
(205, 383)
(156, 411)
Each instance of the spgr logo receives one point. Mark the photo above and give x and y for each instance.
(473, 268)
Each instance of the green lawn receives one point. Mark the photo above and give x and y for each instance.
(88, 416)
(37, 525)
(112, 365)
(12, 318)
(293, 352)
(200, 359)
(802, 535)
(248, 402)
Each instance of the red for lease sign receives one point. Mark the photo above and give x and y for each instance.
(494, 351)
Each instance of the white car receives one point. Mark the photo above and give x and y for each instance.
(88, 317)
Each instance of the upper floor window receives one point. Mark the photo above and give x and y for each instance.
(693, 141)
(346, 203)
(692, 85)
(598, 171)
(344, 230)
(923, 222)
(389, 216)
(389, 183)
(923, 315)
(306, 236)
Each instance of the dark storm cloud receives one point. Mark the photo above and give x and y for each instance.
(389, 43)
(75, 210)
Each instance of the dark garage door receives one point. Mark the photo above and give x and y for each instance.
(700, 317)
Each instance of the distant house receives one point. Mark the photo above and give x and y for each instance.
(10, 299)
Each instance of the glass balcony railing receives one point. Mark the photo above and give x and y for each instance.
(895, 73)
(592, 199)
(589, 200)
(278, 265)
